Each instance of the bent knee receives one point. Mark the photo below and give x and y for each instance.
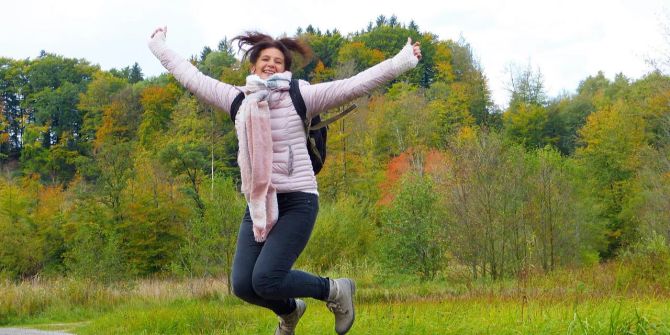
(243, 289)
(266, 287)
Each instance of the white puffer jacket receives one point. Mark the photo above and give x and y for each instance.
(291, 165)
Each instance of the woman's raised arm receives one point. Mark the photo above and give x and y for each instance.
(323, 96)
(210, 90)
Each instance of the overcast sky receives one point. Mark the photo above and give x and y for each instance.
(566, 40)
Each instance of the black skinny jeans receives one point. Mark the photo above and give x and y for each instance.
(262, 272)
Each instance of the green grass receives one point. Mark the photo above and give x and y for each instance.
(456, 316)
(604, 299)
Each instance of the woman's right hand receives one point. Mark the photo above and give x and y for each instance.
(160, 32)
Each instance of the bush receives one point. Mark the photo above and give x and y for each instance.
(342, 235)
(646, 264)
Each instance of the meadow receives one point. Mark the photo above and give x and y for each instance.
(603, 299)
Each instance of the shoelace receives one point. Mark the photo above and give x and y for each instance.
(336, 308)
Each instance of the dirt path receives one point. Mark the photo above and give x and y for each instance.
(26, 331)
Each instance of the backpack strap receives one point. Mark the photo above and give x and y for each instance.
(235, 106)
(325, 123)
(298, 102)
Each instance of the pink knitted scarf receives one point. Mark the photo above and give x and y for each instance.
(254, 134)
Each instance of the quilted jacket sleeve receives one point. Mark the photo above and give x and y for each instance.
(323, 96)
(212, 91)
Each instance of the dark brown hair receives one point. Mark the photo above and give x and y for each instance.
(258, 42)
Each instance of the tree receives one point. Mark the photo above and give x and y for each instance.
(210, 241)
(389, 39)
(413, 239)
(527, 120)
(485, 196)
(135, 74)
(451, 102)
(326, 48)
(651, 205)
(54, 86)
(651, 97)
(361, 56)
(456, 66)
(527, 124)
(559, 234)
(215, 62)
(568, 115)
(48, 215)
(154, 219)
(612, 140)
(158, 103)
(17, 259)
(343, 231)
(4, 135)
(381, 20)
(185, 151)
(98, 97)
(526, 87)
(394, 123)
(13, 90)
(204, 53)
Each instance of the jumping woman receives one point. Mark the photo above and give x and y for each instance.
(278, 180)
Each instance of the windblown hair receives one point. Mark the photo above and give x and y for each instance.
(258, 42)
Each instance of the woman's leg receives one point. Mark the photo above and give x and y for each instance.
(262, 272)
(246, 253)
(272, 277)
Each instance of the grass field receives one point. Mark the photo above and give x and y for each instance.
(472, 316)
(600, 300)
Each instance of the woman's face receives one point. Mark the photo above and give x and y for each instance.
(270, 61)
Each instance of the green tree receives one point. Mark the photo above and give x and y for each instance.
(412, 236)
(569, 115)
(13, 87)
(485, 195)
(209, 246)
(158, 103)
(154, 217)
(135, 74)
(17, 259)
(326, 48)
(343, 231)
(99, 95)
(186, 151)
(401, 120)
(651, 97)
(527, 120)
(651, 205)
(93, 243)
(613, 140)
(213, 62)
(358, 54)
(390, 38)
(559, 231)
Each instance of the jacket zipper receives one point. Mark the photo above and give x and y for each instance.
(290, 160)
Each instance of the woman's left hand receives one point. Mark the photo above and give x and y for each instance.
(416, 47)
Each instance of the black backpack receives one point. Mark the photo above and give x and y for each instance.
(315, 130)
